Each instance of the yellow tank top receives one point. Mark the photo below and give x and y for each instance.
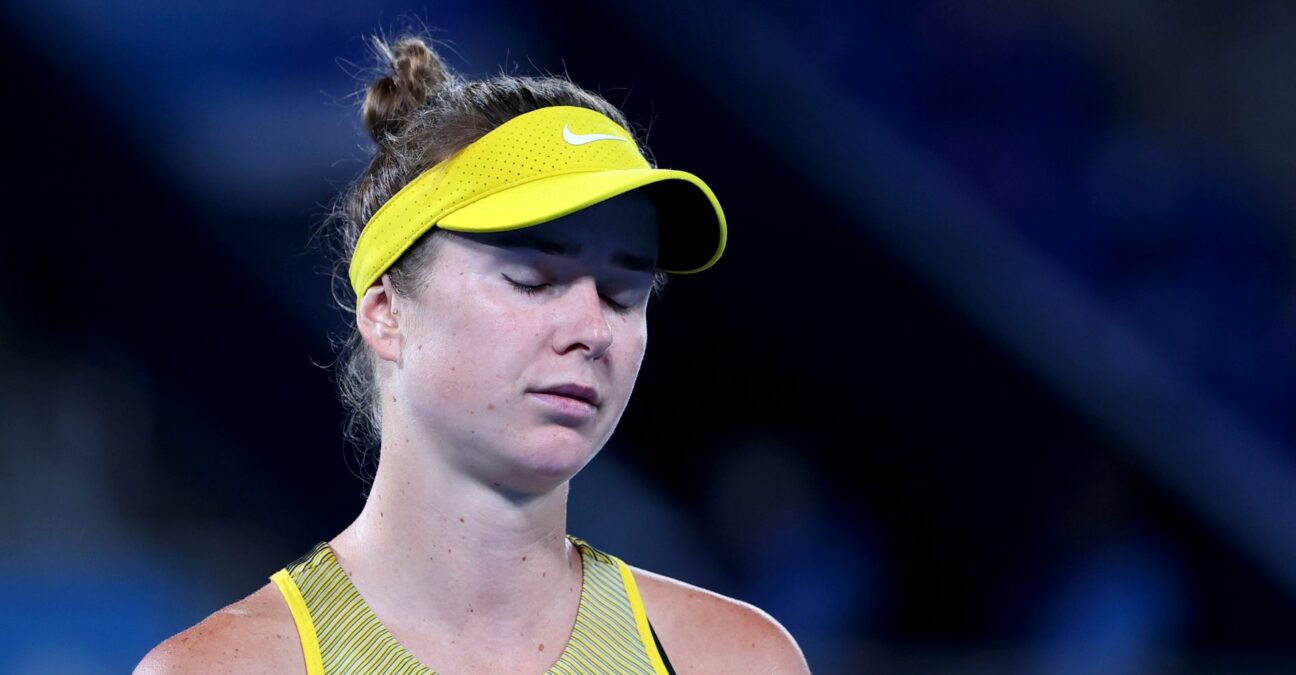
(340, 634)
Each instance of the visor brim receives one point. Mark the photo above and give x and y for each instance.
(692, 230)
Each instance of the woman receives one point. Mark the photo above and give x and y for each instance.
(492, 357)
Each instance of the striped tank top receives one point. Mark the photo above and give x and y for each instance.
(340, 634)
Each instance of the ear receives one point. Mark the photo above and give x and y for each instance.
(378, 319)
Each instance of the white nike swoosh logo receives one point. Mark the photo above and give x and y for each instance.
(581, 139)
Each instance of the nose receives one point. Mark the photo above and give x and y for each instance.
(583, 322)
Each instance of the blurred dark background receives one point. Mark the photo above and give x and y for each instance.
(996, 375)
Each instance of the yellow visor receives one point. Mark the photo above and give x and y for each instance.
(536, 167)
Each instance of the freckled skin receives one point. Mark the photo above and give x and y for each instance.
(474, 345)
(470, 347)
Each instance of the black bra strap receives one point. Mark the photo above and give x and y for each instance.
(661, 651)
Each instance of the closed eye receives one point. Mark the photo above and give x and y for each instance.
(529, 290)
(538, 288)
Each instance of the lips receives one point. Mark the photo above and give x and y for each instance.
(584, 393)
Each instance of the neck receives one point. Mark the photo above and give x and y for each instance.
(440, 553)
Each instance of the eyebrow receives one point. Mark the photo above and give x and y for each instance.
(531, 241)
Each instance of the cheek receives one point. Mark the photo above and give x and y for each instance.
(465, 354)
(634, 343)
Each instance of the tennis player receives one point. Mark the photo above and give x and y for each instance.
(502, 247)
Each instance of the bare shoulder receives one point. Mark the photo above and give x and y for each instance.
(705, 632)
(252, 636)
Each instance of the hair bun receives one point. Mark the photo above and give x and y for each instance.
(416, 72)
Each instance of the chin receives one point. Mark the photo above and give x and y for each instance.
(559, 465)
(547, 465)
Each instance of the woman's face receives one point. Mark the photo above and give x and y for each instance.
(476, 347)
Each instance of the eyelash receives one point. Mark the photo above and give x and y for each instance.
(532, 290)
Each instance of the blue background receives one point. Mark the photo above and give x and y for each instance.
(997, 373)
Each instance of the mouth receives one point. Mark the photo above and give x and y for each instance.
(579, 392)
(566, 408)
